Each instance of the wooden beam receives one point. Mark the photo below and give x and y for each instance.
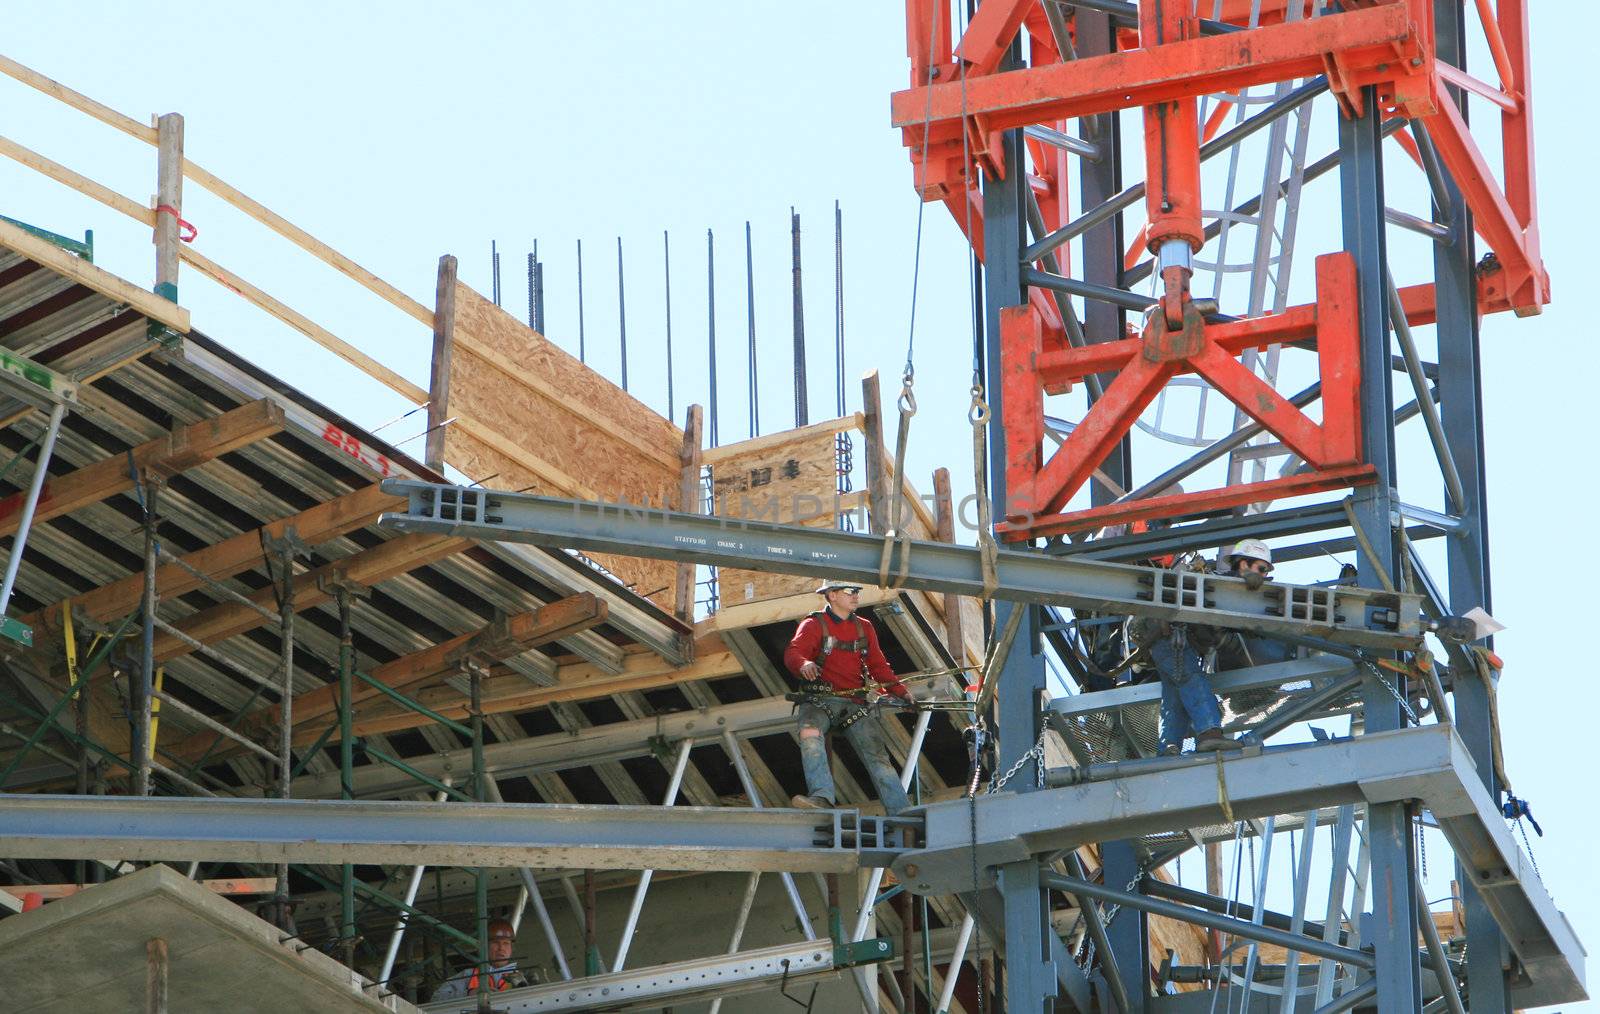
(444, 337)
(688, 503)
(877, 474)
(493, 643)
(166, 455)
(369, 567)
(945, 531)
(229, 557)
(83, 103)
(52, 257)
(723, 452)
(576, 681)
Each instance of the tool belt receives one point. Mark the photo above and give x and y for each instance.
(820, 693)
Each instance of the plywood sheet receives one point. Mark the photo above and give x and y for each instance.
(531, 417)
(789, 482)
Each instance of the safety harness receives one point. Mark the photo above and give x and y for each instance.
(819, 692)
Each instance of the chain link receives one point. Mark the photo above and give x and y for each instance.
(1405, 706)
(1035, 754)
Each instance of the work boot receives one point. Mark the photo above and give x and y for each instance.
(811, 803)
(1213, 739)
(1171, 750)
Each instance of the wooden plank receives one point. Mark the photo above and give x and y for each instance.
(493, 643)
(877, 472)
(300, 322)
(229, 557)
(444, 336)
(48, 255)
(945, 531)
(82, 184)
(688, 503)
(166, 455)
(83, 103)
(369, 567)
(713, 455)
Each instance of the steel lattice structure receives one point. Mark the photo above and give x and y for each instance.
(989, 122)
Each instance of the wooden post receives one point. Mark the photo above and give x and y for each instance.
(688, 503)
(944, 516)
(1214, 888)
(444, 337)
(169, 202)
(877, 480)
(155, 978)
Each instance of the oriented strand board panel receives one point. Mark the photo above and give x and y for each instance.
(531, 417)
(788, 482)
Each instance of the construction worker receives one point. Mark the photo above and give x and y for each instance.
(503, 972)
(843, 673)
(1251, 559)
(1178, 652)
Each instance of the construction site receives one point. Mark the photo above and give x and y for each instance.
(542, 692)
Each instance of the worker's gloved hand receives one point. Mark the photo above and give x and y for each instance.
(1254, 580)
(811, 671)
(515, 980)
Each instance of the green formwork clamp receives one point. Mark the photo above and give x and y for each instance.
(13, 629)
(862, 952)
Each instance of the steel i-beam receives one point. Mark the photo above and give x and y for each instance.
(1357, 616)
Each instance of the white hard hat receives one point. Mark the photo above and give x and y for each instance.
(828, 586)
(1252, 549)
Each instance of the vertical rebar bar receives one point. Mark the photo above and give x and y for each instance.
(143, 748)
(581, 356)
(711, 333)
(666, 269)
(838, 309)
(622, 317)
(494, 268)
(347, 884)
(801, 417)
(750, 323)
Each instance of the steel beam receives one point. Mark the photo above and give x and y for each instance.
(561, 751)
(546, 835)
(1358, 616)
(1321, 667)
(1429, 764)
(684, 982)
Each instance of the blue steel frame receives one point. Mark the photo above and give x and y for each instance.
(1030, 979)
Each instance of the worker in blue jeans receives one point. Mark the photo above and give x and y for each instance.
(1188, 705)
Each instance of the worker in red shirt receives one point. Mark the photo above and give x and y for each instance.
(835, 655)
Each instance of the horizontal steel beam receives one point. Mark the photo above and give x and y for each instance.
(1355, 616)
(1428, 764)
(1084, 889)
(561, 751)
(659, 986)
(1321, 667)
(540, 835)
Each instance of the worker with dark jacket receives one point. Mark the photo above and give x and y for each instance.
(1179, 652)
(835, 655)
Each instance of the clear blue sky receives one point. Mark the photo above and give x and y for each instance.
(400, 132)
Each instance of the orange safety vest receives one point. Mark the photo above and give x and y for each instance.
(497, 982)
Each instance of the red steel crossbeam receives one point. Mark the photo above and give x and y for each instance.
(1039, 489)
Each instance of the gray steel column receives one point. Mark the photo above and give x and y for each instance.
(1467, 550)
(1030, 977)
(1388, 825)
(1102, 263)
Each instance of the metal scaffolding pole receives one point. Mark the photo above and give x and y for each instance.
(30, 502)
(347, 664)
(674, 783)
(144, 749)
(285, 550)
